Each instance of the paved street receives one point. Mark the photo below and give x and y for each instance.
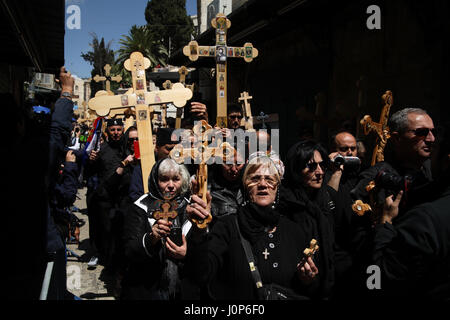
(88, 286)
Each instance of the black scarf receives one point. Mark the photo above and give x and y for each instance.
(255, 221)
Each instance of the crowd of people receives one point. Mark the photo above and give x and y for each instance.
(265, 211)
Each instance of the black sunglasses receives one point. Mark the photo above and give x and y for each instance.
(133, 139)
(423, 132)
(344, 149)
(312, 166)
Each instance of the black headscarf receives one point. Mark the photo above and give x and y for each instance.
(155, 193)
(298, 203)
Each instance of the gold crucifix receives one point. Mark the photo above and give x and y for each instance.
(381, 128)
(107, 78)
(221, 52)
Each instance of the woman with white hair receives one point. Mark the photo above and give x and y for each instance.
(275, 244)
(155, 248)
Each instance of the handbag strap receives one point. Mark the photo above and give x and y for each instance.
(251, 260)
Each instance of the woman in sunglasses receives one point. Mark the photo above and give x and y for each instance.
(305, 197)
(219, 258)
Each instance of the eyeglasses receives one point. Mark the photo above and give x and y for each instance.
(423, 132)
(236, 117)
(256, 179)
(344, 149)
(312, 166)
(133, 139)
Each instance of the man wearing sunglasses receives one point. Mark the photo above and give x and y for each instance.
(413, 136)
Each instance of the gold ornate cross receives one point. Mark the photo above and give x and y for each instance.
(381, 128)
(221, 52)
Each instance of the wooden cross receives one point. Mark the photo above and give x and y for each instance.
(309, 252)
(221, 52)
(381, 128)
(247, 121)
(141, 99)
(107, 78)
(201, 155)
(167, 209)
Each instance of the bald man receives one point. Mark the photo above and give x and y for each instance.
(346, 224)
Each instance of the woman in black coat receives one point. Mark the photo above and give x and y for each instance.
(155, 270)
(277, 243)
(304, 196)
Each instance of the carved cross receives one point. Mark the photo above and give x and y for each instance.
(140, 99)
(309, 252)
(247, 121)
(202, 154)
(381, 128)
(167, 209)
(221, 52)
(108, 78)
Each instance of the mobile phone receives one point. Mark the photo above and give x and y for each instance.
(175, 236)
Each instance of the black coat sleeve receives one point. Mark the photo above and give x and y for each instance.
(137, 244)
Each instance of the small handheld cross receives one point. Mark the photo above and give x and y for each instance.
(309, 252)
(247, 121)
(108, 78)
(263, 117)
(167, 210)
(221, 52)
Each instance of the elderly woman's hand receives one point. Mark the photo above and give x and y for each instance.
(160, 229)
(175, 251)
(307, 272)
(199, 209)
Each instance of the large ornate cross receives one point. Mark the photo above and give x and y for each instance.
(381, 128)
(140, 99)
(247, 121)
(202, 154)
(221, 52)
(108, 78)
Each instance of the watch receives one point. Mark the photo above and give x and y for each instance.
(66, 95)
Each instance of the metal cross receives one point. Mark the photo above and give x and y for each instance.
(265, 253)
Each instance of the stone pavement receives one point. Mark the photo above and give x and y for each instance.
(82, 282)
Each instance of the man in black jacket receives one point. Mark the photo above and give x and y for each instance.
(104, 200)
(413, 249)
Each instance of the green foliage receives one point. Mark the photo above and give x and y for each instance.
(100, 55)
(168, 22)
(139, 39)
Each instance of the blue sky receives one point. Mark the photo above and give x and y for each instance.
(109, 19)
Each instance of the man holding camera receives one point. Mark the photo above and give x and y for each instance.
(412, 249)
(343, 178)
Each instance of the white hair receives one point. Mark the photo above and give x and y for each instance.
(169, 166)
